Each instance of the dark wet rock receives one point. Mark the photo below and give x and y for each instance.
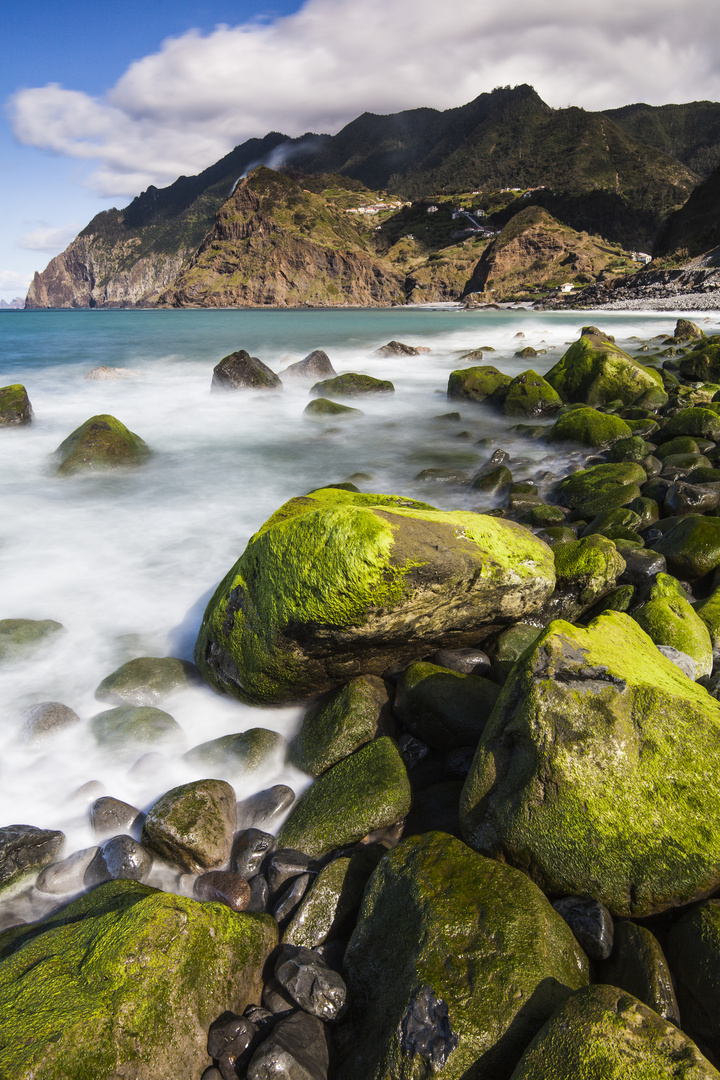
(687, 331)
(25, 849)
(15, 408)
(368, 790)
(682, 498)
(351, 384)
(250, 849)
(413, 750)
(590, 721)
(435, 808)
(330, 905)
(443, 476)
(476, 383)
(340, 723)
(46, 718)
(119, 858)
(466, 661)
(281, 627)
(229, 1038)
(457, 762)
(691, 546)
(436, 901)
(65, 877)
(313, 985)
(246, 751)
(316, 365)
(638, 965)
(211, 1073)
(444, 708)
(265, 807)
(277, 1000)
(296, 1048)
(259, 894)
(603, 1031)
(491, 479)
(240, 371)
(193, 825)
(590, 922)
(641, 567)
(290, 897)
(284, 865)
(425, 1030)
(510, 646)
(123, 982)
(109, 816)
(693, 951)
(102, 442)
(398, 348)
(128, 726)
(224, 886)
(146, 680)
(18, 636)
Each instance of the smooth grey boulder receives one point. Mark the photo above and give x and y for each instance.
(46, 718)
(111, 816)
(262, 810)
(119, 858)
(250, 849)
(316, 365)
(146, 680)
(65, 877)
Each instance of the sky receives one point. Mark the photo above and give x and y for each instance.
(99, 101)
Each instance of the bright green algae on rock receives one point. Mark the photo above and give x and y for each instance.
(15, 408)
(338, 584)
(595, 371)
(479, 936)
(125, 982)
(476, 383)
(590, 567)
(603, 1033)
(102, 442)
(670, 619)
(339, 725)
(602, 487)
(529, 394)
(588, 427)
(599, 771)
(368, 790)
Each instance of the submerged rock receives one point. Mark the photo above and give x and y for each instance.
(102, 442)
(604, 1032)
(454, 964)
(398, 348)
(245, 751)
(350, 384)
(321, 407)
(338, 584)
(45, 718)
(128, 726)
(146, 680)
(20, 635)
(15, 408)
(599, 771)
(123, 982)
(240, 371)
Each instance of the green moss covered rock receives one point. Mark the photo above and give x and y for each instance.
(350, 385)
(691, 547)
(102, 442)
(693, 949)
(474, 943)
(193, 825)
(603, 1032)
(445, 709)
(17, 636)
(632, 449)
(133, 725)
(240, 371)
(125, 982)
(15, 408)
(598, 772)
(529, 394)
(588, 427)
(339, 724)
(595, 371)
(638, 965)
(670, 619)
(709, 612)
(242, 752)
(146, 680)
(696, 422)
(586, 570)
(476, 383)
(366, 791)
(331, 904)
(322, 407)
(509, 646)
(338, 584)
(601, 487)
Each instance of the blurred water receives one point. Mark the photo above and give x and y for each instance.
(127, 561)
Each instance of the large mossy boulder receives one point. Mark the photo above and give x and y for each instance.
(598, 772)
(691, 547)
(476, 383)
(15, 408)
(125, 982)
(366, 791)
(102, 442)
(696, 422)
(530, 395)
(455, 963)
(338, 584)
(589, 427)
(601, 487)
(670, 619)
(596, 371)
(604, 1033)
(240, 371)
(340, 723)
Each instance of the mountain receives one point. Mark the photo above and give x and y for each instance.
(694, 229)
(14, 304)
(194, 242)
(690, 133)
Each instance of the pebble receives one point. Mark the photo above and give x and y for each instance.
(315, 987)
(290, 898)
(225, 887)
(265, 807)
(120, 857)
(284, 865)
(259, 894)
(250, 848)
(590, 922)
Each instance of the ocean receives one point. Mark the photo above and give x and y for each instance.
(127, 561)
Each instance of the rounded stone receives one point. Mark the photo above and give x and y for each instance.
(225, 887)
(193, 825)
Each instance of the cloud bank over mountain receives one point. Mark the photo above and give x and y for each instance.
(179, 109)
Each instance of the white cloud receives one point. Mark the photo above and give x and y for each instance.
(12, 281)
(49, 238)
(180, 109)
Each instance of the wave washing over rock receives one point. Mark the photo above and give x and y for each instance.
(374, 738)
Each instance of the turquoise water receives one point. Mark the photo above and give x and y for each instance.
(127, 561)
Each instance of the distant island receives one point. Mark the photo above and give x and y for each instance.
(501, 200)
(15, 304)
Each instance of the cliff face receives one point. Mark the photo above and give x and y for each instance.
(274, 243)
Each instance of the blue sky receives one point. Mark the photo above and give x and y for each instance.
(101, 100)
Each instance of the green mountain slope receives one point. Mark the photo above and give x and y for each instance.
(689, 132)
(695, 228)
